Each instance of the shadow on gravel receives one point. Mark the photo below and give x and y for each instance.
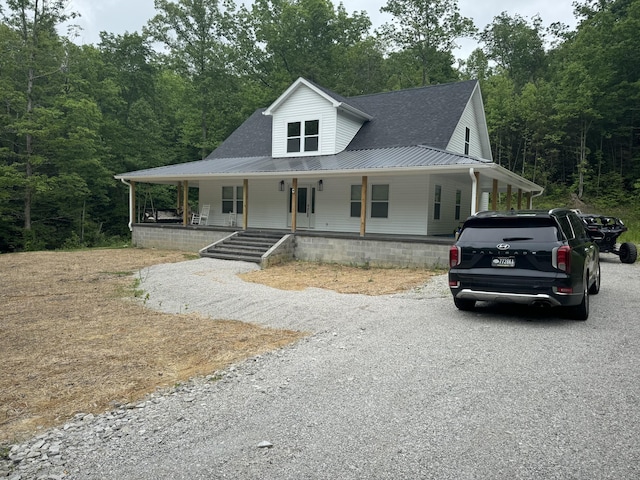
(497, 312)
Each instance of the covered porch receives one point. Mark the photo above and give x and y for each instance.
(476, 188)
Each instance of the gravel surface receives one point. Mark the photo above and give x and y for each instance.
(389, 387)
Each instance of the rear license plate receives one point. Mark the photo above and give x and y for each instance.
(503, 262)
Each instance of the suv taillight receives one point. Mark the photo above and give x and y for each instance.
(454, 256)
(562, 258)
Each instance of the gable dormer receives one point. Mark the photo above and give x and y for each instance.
(308, 120)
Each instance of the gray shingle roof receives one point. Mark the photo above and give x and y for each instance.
(417, 116)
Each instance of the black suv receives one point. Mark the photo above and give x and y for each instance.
(530, 257)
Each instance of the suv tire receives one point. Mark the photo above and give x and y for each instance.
(581, 311)
(464, 304)
(595, 288)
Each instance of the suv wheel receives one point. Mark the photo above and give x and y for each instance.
(464, 304)
(581, 312)
(595, 288)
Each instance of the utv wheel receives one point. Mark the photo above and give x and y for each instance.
(581, 312)
(464, 304)
(595, 288)
(628, 252)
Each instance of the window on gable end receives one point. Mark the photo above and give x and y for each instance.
(467, 140)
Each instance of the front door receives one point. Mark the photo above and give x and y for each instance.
(305, 206)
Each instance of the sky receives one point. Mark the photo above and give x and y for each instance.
(120, 16)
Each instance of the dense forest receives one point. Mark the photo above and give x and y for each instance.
(562, 105)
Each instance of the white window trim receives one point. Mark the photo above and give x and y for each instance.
(302, 121)
(235, 199)
(371, 201)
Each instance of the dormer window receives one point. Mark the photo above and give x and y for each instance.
(303, 136)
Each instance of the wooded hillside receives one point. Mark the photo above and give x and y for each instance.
(563, 106)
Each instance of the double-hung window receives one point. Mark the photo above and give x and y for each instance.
(437, 200)
(303, 136)
(356, 200)
(458, 203)
(379, 201)
(232, 200)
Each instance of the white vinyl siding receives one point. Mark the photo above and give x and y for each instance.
(410, 203)
(406, 213)
(449, 188)
(473, 119)
(347, 128)
(304, 105)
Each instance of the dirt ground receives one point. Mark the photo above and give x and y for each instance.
(72, 340)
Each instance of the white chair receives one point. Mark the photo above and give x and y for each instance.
(201, 218)
(232, 219)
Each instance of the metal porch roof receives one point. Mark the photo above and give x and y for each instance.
(360, 162)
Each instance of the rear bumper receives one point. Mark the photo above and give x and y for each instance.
(502, 297)
(535, 299)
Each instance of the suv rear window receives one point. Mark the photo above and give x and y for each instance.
(511, 234)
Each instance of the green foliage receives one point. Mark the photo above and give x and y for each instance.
(561, 105)
(425, 33)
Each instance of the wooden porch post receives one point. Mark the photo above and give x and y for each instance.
(185, 203)
(527, 196)
(179, 196)
(132, 214)
(294, 204)
(363, 206)
(519, 198)
(494, 195)
(508, 197)
(245, 203)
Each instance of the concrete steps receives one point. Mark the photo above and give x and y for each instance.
(247, 246)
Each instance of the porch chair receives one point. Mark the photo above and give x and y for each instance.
(201, 218)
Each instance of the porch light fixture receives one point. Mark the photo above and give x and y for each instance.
(281, 186)
(320, 185)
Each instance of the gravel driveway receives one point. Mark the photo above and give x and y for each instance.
(390, 387)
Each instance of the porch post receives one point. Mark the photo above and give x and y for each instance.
(474, 191)
(132, 205)
(478, 191)
(508, 197)
(245, 203)
(294, 204)
(178, 195)
(529, 199)
(494, 195)
(185, 203)
(519, 198)
(363, 206)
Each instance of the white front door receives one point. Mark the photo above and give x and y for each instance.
(305, 206)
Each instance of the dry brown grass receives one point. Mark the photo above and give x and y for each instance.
(340, 278)
(72, 341)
